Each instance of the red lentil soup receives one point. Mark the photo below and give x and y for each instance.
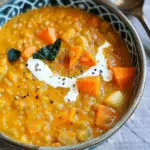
(70, 43)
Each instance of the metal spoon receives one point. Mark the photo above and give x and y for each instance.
(132, 7)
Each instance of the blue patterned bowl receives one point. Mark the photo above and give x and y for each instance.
(12, 8)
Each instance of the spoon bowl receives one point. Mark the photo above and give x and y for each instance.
(131, 7)
(127, 5)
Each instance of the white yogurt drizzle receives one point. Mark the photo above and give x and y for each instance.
(43, 73)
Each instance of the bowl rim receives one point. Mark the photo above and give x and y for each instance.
(123, 120)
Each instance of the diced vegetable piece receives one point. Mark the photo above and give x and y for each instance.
(68, 35)
(67, 138)
(72, 115)
(48, 52)
(124, 76)
(56, 144)
(75, 54)
(81, 41)
(115, 100)
(28, 52)
(82, 124)
(105, 117)
(87, 59)
(13, 54)
(84, 134)
(89, 85)
(47, 35)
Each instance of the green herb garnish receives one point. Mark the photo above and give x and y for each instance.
(48, 52)
(13, 54)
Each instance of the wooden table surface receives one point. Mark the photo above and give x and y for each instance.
(135, 134)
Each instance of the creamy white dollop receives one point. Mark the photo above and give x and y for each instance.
(43, 73)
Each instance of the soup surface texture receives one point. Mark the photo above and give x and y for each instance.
(65, 77)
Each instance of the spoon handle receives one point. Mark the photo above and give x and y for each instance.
(145, 24)
(140, 15)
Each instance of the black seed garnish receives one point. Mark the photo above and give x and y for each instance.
(36, 65)
(28, 94)
(37, 97)
(63, 79)
(95, 69)
(61, 61)
(60, 117)
(93, 72)
(68, 100)
(17, 97)
(51, 101)
(26, 65)
(81, 71)
(74, 85)
(63, 83)
(100, 71)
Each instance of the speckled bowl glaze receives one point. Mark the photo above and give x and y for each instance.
(123, 26)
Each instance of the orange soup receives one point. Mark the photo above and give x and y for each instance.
(65, 77)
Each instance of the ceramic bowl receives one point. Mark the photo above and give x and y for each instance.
(123, 26)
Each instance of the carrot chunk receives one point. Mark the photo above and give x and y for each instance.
(89, 85)
(75, 54)
(105, 117)
(47, 35)
(72, 115)
(124, 76)
(27, 53)
(87, 59)
(67, 138)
